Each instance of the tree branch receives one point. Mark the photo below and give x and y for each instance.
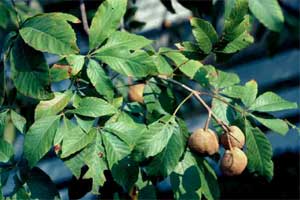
(196, 94)
(84, 17)
(182, 102)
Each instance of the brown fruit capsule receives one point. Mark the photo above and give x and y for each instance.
(235, 136)
(135, 93)
(204, 142)
(234, 162)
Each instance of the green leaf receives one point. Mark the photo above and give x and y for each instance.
(186, 66)
(106, 21)
(210, 187)
(6, 151)
(75, 163)
(21, 194)
(220, 79)
(100, 80)
(65, 17)
(236, 15)
(3, 121)
(241, 28)
(24, 11)
(194, 177)
(191, 50)
(4, 16)
(276, 125)
(1, 194)
(59, 135)
(259, 152)
(186, 165)
(53, 106)
(156, 138)
(204, 33)
(95, 158)
(76, 62)
(136, 64)
(246, 93)
(163, 67)
(126, 129)
(115, 148)
(75, 139)
(18, 120)
(165, 162)
(60, 72)
(235, 35)
(39, 138)
(30, 76)
(49, 33)
(270, 101)
(239, 43)
(2, 83)
(223, 111)
(125, 173)
(125, 40)
(208, 77)
(124, 169)
(94, 107)
(268, 12)
(152, 96)
(190, 68)
(228, 6)
(85, 123)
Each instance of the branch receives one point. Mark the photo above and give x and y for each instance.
(183, 101)
(84, 17)
(196, 94)
(224, 101)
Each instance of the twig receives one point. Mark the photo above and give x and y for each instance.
(114, 76)
(220, 99)
(207, 121)
(181, 103)
(196, 94)
(84, 17)
(229, 141)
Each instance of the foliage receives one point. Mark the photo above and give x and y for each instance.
(92, 123)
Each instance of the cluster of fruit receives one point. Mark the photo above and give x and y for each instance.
(205, 142)
(234, 160)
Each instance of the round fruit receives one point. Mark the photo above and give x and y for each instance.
(204, 142)
(235, 136)
(135, 93)
(234, 162)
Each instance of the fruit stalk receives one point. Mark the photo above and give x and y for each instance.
(207, 121)
(196, 94)
(181, 103)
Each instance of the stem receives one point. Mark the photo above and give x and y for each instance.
(228, 140)
(196, 94)
(115, 76)
(84, 17)
(180, 65)
(207, 121)
(182, 102)
(220, 99)
(130, 80)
